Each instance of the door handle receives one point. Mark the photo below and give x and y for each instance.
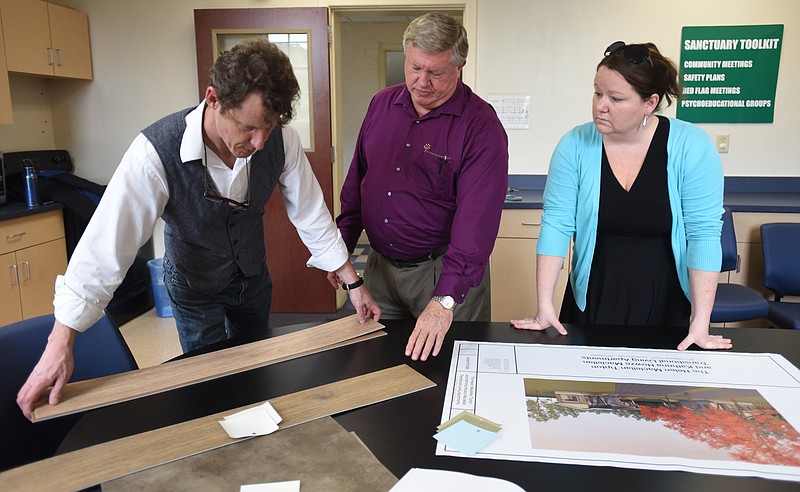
(27, 270)
(14, 275)
(60, 57)
(532, 224)
(50, 54)
(14, 236)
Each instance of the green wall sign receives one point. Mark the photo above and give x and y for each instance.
(729, 73)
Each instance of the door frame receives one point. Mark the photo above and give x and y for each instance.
(468, 9)
(296, 288)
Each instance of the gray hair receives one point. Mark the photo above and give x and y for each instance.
(435, 32)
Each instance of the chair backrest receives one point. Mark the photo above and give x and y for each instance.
(100, 351)
(781, 243)
(728, 240)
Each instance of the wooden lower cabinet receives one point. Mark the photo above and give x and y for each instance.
(513, 267)
(10, 307)
(34, 252)
(513, 263)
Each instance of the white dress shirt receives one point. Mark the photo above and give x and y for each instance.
(136, 197)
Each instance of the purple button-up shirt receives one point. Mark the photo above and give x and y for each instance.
(418, 183)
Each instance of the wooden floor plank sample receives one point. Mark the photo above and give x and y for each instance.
(94, 393)
(97, 464)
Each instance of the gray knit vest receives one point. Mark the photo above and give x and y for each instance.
(210, 242)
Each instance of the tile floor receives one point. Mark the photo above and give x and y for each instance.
(154, 340)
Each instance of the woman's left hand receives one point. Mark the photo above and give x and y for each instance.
(699, 336)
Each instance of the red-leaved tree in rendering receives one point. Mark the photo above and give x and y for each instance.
(761, 436)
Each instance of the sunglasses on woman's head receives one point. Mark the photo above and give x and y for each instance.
(634, 53)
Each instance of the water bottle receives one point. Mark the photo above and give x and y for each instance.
(31, 187)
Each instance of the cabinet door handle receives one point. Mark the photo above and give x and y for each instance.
(738, 263)
(27, 270)
(532, 224)
(50, 53)
(19, 234)
(14, 275)
(60, 57)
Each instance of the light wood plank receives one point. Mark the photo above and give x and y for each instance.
(94, 393)
(114, 459)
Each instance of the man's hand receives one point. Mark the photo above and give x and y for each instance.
(365, 305)
(54, 369)
(333, 279)
(362, 300)
(428, 334)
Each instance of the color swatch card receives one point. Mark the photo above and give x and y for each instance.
(467, 432)
(255, 421)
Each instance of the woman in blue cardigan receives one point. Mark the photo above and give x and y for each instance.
(641, 196)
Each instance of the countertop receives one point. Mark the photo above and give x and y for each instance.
(15, 210)
(742, 194)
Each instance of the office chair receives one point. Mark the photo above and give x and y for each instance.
(100, 351)
(782, 271)
(735, 302)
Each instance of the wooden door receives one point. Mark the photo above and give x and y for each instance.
(296, 288)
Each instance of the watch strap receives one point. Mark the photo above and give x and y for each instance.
(447, 302)
(358, 283)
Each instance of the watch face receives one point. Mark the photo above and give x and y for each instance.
(447, 302)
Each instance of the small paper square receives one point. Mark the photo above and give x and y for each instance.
(256, 421)
(465, 437)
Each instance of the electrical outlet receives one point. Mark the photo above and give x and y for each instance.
(723, 143)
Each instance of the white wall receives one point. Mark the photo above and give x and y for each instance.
(144, 64)
(549, 49)
(361, 73)
(33, 117)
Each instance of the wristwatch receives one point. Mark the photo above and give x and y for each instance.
(358, 283)
(447, 302)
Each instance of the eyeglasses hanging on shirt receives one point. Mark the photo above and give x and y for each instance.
(211, 192)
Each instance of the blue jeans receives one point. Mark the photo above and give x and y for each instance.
(240, 309)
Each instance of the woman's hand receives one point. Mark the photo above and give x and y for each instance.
(698, 335)
(544, 319)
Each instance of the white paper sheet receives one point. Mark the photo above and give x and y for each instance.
(708, 412)
(289, 486)
(425, 480)
(256, 421)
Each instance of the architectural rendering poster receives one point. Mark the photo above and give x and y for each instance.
(720, 413)
(729, 73)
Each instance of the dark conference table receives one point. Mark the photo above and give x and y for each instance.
(399, 431)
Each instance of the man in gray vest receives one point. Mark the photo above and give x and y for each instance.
(207, 171)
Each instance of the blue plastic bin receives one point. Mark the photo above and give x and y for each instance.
(160, 296)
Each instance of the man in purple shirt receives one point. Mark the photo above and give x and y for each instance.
(427, 183)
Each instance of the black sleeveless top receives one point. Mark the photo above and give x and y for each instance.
(633, 280)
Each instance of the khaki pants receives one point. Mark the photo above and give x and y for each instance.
(404, 292)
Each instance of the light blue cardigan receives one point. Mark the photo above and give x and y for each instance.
(572, 198)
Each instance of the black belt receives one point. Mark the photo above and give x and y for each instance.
(405, 263)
